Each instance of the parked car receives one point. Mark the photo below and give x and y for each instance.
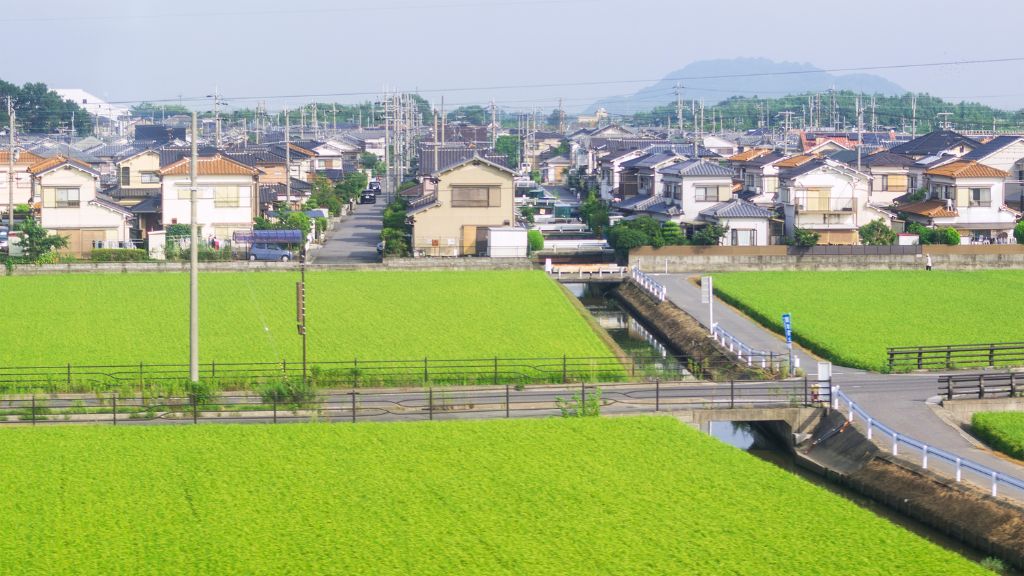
(262, 251)
(374, 187)
(3, 242)
(367, 197)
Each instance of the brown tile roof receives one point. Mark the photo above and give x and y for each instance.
(24, 157)
(215, 165)
(967, 169)
(794, 161)
(929, 208)
(55, 161)
(748, 154)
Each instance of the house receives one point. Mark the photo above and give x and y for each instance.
(892, 177)
(471, 197)
(746, 223)
(1004, 153)
(642, 175)
(610, 171)
(71, 207)
(755, 170)
(827, 197)
(553, 170)
(937, 143)
(720, 146)
(968, 196)
(138, 176)
(23, 159)
(687, 188)
(226, 190)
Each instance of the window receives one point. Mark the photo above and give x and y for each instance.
(749, 182)
(706, 193)
(981, 197)
(226, 197)
(475, 197)
(671, 190)
(911, 183)
(744, 237)
(67, 197)
(942, 191)
(884, 183)
(149, 178)
(126, 176)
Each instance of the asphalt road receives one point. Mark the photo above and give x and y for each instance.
(354, 238)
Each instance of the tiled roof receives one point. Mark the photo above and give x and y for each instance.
(56, 161)
(794, 161)
(217, 165)
(736, 208)
(934, 143)
(452, 155)
(559, 160)
(151, 205)
(929, 208)
(698, 168)
(24, 157)
(119, 193)
(994, 145)
(966, 169)
(887, 158)
(109, 203)
(748, 154)
(801, 169)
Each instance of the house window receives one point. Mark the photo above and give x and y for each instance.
(126, 176)
(744, 237)
(226, 197)
(706, 193)
(981, 197)
(911, 183)
(149, 178)
(475, 197)
(749, 182)
(67, 197)
(884, 183)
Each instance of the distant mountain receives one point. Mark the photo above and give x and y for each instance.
(746, 77)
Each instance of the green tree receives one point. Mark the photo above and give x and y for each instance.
(36, 242)
(876, 233)
(475, 115)
(368, 159)
(805, 238)
(949, 236)
(710, 235)
(509, 146)
(1018, 232)
(672, 233)
(395, 243)
(534, 240)
(298, 221)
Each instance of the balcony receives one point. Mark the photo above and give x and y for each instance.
(824, 204)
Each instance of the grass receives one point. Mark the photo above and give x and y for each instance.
(1003, 431)
(852, 317)
(245, 317)
(552, 496)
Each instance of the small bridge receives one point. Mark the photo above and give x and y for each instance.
(575, 273)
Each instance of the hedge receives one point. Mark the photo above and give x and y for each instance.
(119, 255)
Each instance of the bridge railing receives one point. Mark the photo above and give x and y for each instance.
(428, 403)
(767, 360)
(649, 284)
(995, 479)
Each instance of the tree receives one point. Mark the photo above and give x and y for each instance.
(534, 240)
(876, 233)
(395, 243)
(470, 115)
(508, 146)
(36, 242)
(949, 236)
(805, 238)
(298, 221)
(368, 160)
(672, 233)
(710, 235)
(1018, 232)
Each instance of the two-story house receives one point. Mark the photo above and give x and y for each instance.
(937, 143)
(23, 159)
(686, 188)
(756, 172)
(471, 199)
(227, 195)
(827, 197)
(70, 206)
(641, 176)
(1004, 153)
(969, 197)
(610, 170)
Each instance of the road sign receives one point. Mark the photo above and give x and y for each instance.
(787, 325)
(705, 289)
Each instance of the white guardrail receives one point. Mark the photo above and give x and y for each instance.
(752, 357)
(652, 286)
(959, 464)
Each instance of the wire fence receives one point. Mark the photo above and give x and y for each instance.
(431, 403)
(357, 373)
(956, 465)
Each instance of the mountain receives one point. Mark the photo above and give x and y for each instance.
(716, 80)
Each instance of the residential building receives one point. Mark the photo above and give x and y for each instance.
(687, 188)
(1004, 153)
(70, 206)
(471, 197)
(937, 143)
(968, 196)
(554, 170)
(756, 172)
(893, 176)
(610, 171)
(23, 159)
(226, 189)
(746, 223)
(827, 197)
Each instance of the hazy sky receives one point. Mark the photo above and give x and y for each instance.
(131, 50)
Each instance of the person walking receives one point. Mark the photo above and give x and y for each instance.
(928, 262)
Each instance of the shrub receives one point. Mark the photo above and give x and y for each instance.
(1018, 232)
(534, 240)
(672, 233)
(805, 238)
(710, 235)
(876, 233)
(949, 236)
(119, 255)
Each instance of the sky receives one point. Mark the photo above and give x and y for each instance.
(520, 53)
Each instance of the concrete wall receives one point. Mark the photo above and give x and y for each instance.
(680, 259)
(455, 264)
(962, 410)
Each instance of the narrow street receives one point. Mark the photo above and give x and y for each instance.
(354, 238)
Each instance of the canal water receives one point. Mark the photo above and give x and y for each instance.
(637, 341)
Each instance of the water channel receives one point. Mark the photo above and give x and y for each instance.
(636, 340)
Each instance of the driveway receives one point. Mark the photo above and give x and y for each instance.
(354, 239)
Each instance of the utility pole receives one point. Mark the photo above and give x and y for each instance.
(860, 131)
(913, 118)
(874, 116)
(785, 135)
(193, 267)
(494, 125)
(216, 113)
(561, 118)
(679, 108)
(287, 159)
(944, 119)
(10, 165)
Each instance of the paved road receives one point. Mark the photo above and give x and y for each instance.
(354, 239)
(563, 194)
(901, 401)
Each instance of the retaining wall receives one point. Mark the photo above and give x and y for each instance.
(246, 266)
(680, 259)
(962, 410)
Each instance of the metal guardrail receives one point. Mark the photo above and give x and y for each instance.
(1005, 385)
(650, 285)
(956, 355)
(765, 359)
(960, 464)
(433, 403)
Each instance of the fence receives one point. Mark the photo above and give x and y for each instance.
(958, 464)
(653, 287)
(355, 373)
(433, 403)
(754, 358)
(979, 386)
(956, 356)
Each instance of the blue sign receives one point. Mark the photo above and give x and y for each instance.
(787, 325)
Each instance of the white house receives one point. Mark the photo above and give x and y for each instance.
(746, 223)
(1004, 153)
(70, 206)
(611, 171)
(23, 160)
(226, 189)
(827, 197)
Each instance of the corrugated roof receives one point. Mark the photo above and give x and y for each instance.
(736, 208)
(216, 165)
(967, 169)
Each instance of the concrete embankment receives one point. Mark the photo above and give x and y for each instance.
(679, 331)
(840, 453)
